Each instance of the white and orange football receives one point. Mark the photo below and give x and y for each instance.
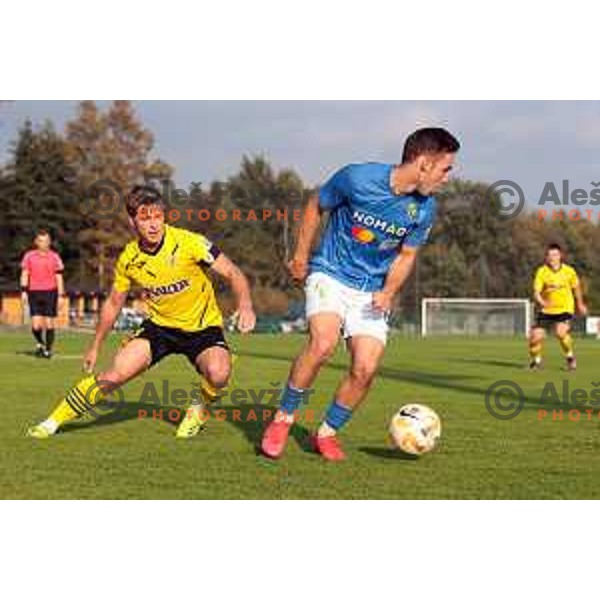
(415, 429)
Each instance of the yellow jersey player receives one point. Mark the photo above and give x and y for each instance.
(557, 293)
(170, 265)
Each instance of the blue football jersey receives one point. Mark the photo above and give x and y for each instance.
(368, 225)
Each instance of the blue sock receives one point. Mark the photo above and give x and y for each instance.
(337, 415)
(290, 400)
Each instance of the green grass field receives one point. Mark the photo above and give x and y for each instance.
(118, 455)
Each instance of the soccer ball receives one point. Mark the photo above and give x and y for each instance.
(415, 429)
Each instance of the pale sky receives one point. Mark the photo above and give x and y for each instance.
(530, 142)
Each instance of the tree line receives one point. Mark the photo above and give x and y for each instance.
(48, 180)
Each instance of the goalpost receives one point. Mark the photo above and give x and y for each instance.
(475, 316)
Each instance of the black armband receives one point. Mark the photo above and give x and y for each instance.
(213, 254)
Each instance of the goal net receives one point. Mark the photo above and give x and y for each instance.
(475, 316)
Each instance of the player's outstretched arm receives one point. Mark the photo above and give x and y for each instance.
(241, 288)
(580, 303)
(397, 275)
(108, 315)
(309, 227)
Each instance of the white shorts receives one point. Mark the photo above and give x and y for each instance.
(355, 307)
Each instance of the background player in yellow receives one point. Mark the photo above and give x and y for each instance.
(557, 293)
(170, 265)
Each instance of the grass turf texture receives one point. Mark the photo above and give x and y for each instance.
(118, 455)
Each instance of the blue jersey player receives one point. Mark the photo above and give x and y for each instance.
(379, 215)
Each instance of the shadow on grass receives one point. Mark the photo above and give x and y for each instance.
(508, 364)
(32, 353)
(388, 453)
(452, 382)
(436, 380)
(252, 420)
(110, 413)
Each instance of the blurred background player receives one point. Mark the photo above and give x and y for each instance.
(379, 215)
(41, 288)
(170, 265)
(557, 293)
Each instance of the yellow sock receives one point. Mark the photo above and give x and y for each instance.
(566, 344)
(535, 351)
(210, 393)
(77, 401)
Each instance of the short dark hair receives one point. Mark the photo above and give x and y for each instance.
(429, 140)
(42, 232)
(142, 195)
(554, 246)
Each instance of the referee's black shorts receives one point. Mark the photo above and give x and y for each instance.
(43, 303)
(166, 340)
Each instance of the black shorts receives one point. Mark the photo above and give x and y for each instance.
(42, 304)
(166, 340)
(546, 321)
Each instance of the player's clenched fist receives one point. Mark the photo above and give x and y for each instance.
(298, 269)
(382, 301)
(246, 320)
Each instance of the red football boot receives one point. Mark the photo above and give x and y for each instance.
(329, 447)
(275, 438)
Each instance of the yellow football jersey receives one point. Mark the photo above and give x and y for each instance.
(173, 278)
(556, 288)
